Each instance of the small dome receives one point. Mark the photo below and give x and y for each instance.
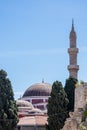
(38, 89)
(22, 103)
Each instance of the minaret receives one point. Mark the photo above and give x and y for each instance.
(73, 67)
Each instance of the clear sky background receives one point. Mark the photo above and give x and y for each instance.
(34, 37)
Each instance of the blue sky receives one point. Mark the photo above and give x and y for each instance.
(34, 37)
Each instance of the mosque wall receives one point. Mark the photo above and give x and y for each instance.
(38, 101)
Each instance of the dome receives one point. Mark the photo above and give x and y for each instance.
(22, 103)
(38, 89)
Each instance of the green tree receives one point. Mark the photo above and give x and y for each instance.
(70, 91)
(8, 108)
(57, 107)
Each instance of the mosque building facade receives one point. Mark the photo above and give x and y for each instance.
(38, 95)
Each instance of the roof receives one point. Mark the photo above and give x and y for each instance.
(72, 33)
(38, 89)
(23, 103)
(33, 120)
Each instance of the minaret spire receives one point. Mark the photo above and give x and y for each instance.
(72, 25)
(73, 67)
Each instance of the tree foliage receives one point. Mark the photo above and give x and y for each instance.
(8, 108)
(57, 107)
(70, 91)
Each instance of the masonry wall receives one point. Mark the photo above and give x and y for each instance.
(80, 96)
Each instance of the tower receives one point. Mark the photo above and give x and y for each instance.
(73, 67)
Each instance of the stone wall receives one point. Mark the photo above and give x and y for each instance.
(75, 119)
(80, 96)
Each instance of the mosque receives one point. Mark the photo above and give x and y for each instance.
(38, 93)
(35, 97)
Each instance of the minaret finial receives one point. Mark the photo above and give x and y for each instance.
(43, 80)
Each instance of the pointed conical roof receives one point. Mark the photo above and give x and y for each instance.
(72, 33)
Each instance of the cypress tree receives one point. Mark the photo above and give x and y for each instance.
(57, 107)
(70, 91)
(8, 108)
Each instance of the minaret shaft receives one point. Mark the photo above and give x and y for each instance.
(73, 67)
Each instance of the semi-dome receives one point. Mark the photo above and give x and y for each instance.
(38, 89)
(23, 103)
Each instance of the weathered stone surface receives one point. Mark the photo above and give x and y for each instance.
(75, 119)
(80, 96)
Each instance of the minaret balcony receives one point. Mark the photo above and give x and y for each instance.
(73, 67)
(73, 50)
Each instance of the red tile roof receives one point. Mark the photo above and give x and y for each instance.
(33, 120)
